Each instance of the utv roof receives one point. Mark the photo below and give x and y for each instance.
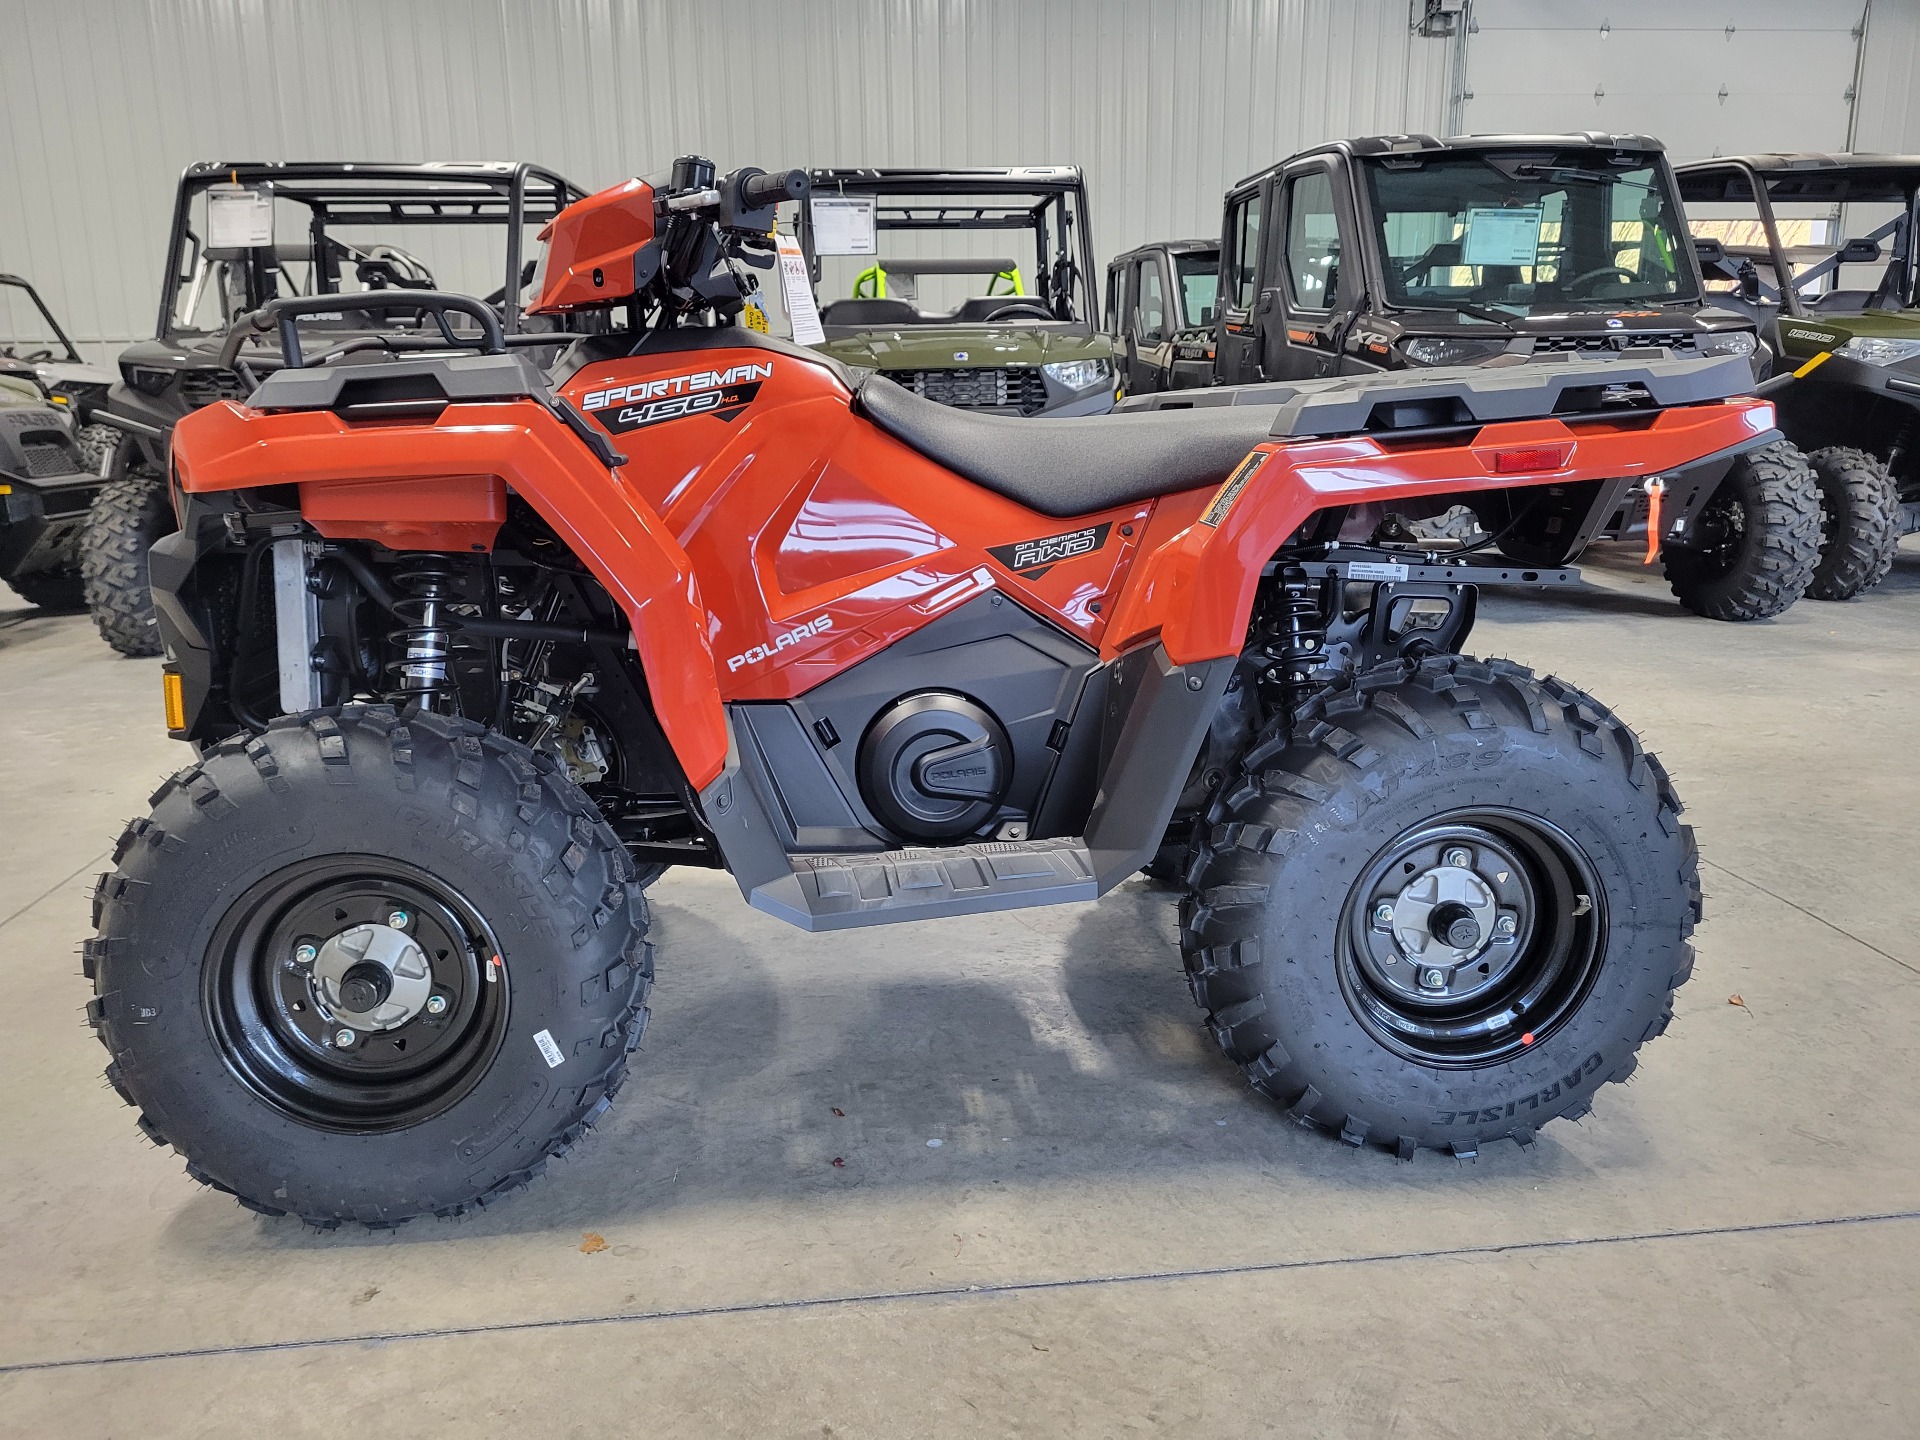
(1020, 179)
(1171, 246)
(1808, 176)
(1370, 146)
(417, 193)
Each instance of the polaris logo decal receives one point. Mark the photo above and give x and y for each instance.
(721, 393)
(1027, 556)
(759, 654)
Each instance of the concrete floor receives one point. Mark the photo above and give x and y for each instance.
(1114, 1235)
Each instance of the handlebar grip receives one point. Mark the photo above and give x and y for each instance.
(759, 191)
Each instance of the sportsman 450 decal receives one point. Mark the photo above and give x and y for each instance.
(1036, 555)
(720, 393)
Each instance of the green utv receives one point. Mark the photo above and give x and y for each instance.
(1843, 319)
(31, 336)
(931, 289)
(1407, 252)
(45, 486)
(249, 233)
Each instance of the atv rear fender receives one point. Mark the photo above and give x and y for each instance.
(1196, 592)
(441, 484)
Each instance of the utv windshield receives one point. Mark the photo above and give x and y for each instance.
(897, 248)
(1527, 232)
(1198, 273)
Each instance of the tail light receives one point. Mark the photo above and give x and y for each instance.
(1526, 459)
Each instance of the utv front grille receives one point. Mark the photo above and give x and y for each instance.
(1681, 342)
(1009, 387)
(49, 459)
(203, 387)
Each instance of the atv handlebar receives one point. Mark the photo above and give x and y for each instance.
(760, 190)
(284, 315)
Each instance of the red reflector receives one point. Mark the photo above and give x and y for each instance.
(1532, 457)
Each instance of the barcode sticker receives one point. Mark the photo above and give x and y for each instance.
(549, 1051)
(1375, 570)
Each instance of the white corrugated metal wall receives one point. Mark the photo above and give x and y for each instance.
(1164, 103)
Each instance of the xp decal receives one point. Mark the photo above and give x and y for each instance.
(1028, 555)
(721, 393)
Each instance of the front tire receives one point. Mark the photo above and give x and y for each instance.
(1859, 523)
(1755, 542)
(1452, 907)
(125, 519)
(486, 914)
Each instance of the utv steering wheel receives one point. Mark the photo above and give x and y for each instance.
(1020, 310)
(1599, 272)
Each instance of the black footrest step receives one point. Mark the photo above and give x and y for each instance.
(832, 892)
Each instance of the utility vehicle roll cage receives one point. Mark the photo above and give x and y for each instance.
(72, 357)
(1764, 180)
(1032, 198)
(353, 193)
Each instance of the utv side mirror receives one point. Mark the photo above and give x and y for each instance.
(1859, 252)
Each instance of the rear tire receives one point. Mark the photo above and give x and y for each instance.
(1308, 987)
(525, 914)
(126, 517)
(1860, 523)
(1755, 542)
(51, 589)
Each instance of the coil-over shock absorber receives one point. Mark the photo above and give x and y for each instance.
(428, 583)
(1300, 642)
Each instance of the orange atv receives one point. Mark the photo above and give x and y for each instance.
(470, 653)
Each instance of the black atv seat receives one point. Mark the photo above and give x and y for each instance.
(1077, 465)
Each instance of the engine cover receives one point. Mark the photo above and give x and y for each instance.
(935, 765)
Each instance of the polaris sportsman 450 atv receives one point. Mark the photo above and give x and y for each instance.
(468, 652)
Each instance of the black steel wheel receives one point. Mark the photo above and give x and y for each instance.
(1445, 907)
(369, 965)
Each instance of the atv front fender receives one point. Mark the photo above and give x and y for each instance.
(442, 484)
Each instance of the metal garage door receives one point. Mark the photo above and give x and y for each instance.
(1709, 77)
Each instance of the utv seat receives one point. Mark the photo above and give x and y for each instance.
(1077, 465)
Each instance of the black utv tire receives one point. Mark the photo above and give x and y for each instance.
(1282, 931)
(1859, 523)
(51, 589)
(126, 517)
(104, 448)
(1756, 541)
(524, 904)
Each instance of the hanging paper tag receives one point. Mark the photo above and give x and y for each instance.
(238, 218)
(844, 225)
(797, 293)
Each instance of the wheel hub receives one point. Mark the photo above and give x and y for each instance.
(1447, 931)
(372, 978)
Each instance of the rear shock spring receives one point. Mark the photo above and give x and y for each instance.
(425, 641)
(1301, 643)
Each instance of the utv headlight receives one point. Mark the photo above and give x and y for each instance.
(1871, 351)
(147, 380)
(1436, 350)
(1727, 342)
(1079, 374)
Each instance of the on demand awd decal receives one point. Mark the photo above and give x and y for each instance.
(720, 393)
(1032, 557)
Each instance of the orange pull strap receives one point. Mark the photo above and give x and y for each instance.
(1656, 487)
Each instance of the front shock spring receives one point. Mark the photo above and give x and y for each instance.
(428, 582)
(1302, 640)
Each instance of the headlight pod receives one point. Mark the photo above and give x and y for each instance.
(1871, 350)
(1079, 374)
(1439, 350)
(1727, 342)
(147, 380)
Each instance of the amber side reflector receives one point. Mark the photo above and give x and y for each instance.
(175, 695)
(1530, 458)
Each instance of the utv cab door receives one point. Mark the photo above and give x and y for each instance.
(1236, 346)
(1149, 352)
(1312, 286)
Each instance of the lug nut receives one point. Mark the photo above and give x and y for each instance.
(1505, 925)
(343, 1038)
(1383, 915)
(398, 919)
(1434, 979)
(1459, 859)
(305, 954)
(436, 1005)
